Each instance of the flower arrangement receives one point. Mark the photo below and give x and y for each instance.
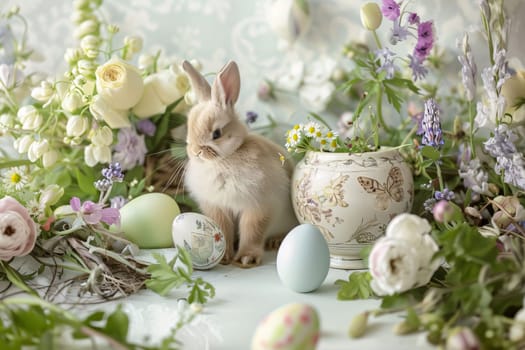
(80, 143)
(453, 265)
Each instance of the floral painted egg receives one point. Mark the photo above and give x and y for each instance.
(303, 259)
(146, 220)
(201, 237)
(290, 327)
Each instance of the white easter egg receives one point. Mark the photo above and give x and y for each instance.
(146, 220)
(303, 259)
(290, 327)
(201, 237)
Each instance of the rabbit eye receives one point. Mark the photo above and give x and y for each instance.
(216, 134)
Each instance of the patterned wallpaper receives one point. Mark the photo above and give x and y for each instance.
(216, 31)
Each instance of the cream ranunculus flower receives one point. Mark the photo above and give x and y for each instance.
(514, 90)
(160, 90)
(403, 259)
(102, 110)
(17, 230)
(119, 83)
(393, 265)
(371, 16)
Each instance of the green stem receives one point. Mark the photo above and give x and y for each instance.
(376, 38)
(380, 112)
(439, 175)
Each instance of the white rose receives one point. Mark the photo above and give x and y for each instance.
(371, 16)
(102, 137)
(150, 103)
(72, 101)
(404, 258)
(115, 118)
(119, 83)
(76, 125)
(416, 231)
(393, 265)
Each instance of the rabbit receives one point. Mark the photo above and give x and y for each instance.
(236, 177)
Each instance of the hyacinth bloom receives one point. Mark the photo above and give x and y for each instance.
(390, 9)
(432, 133)
(94, 213)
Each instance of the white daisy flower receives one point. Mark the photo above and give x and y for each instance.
(294, 136)
(15, 178)
(312, 129)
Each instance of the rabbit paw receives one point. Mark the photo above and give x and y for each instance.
(247, 259)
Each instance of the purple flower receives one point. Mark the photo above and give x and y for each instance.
(387, 66)
(468, 68)
(418, 70)
(113, 172)
(429, 204)
(425, 32)
(502, 143)
(446, 194)
(425, 40)
(413, 18)
(130, 149)
(146, 127)
(103, 185)
(432, 134)
(399, 33)
(390, 9)
(118, 202)
(251, 117)
(94, 213)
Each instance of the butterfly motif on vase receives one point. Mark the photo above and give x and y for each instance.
(385, 192)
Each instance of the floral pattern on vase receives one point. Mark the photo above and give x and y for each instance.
(351, 198)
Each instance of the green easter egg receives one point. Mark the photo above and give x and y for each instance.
(146, 220)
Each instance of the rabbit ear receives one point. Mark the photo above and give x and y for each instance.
(198, 82)
(227, 85)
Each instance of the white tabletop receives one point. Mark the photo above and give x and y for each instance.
(245, 296)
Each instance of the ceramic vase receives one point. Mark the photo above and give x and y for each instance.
(351, 198)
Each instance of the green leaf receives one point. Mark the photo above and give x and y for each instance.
(357, 286)
(117, 324)
(16, 278)
(86, 182)
(431, 153)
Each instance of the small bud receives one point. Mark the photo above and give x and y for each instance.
(405, 327)
(442, 211)
(494, 189)
(265, 91)
(358, 325)
(113, 29)
(371, 16)
(462, 338)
